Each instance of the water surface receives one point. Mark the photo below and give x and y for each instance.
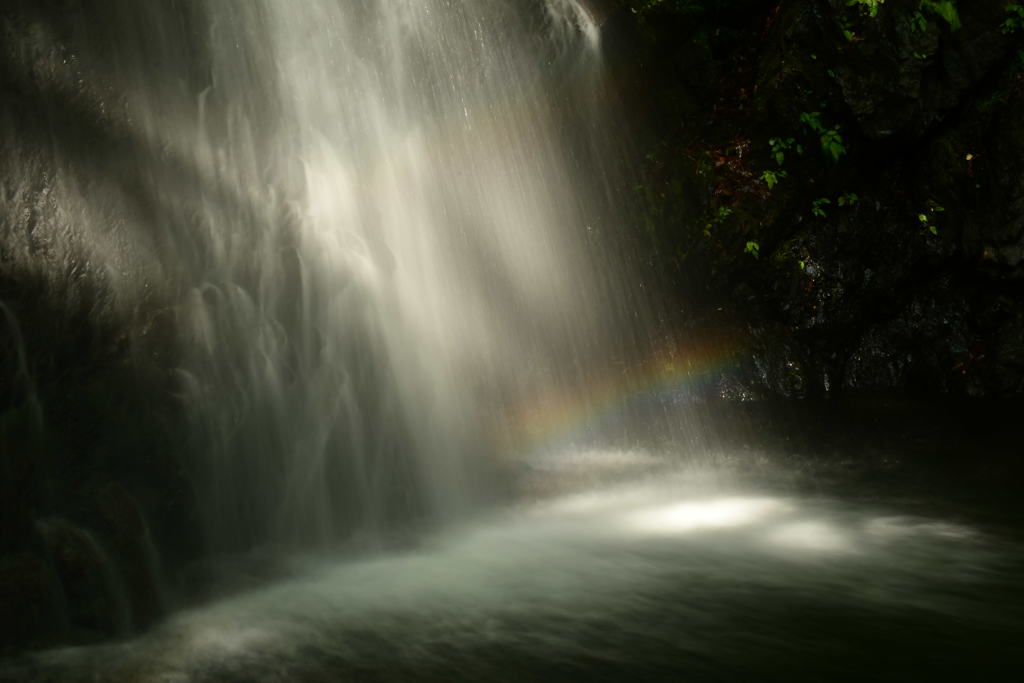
(673, 573)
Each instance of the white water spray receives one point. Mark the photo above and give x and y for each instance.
(373, 220)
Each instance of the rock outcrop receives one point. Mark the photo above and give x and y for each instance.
(841, 188)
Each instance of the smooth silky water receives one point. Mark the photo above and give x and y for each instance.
(385, 231)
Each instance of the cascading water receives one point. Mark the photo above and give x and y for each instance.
(374, 222)
(398, 243)
(375, 239)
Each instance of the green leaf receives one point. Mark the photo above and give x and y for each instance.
(869, 6)
(779, 146)
(946, 9)
(832, 143)
(813, 120)
(772, 178)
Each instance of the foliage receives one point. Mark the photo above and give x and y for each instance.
(780, 146)
(830, 138)
(812, 119)
(817, 206)
(781, 75)
(869, 6)
(847, 29)
(1014, 22)
(723, 213)
(832, 143)
(772, 178)
(943, 8)
(926, 220)
(918, 22)
(927, 224)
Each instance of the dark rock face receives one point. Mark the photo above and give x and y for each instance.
(31, 601)
(96, 513)
(95, 604)
(908, 69)
(892, 261)
(95, 503)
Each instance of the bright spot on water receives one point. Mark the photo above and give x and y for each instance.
(710, 514)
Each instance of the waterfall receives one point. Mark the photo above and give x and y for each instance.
(376, 225)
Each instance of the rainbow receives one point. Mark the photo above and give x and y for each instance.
(671, 375)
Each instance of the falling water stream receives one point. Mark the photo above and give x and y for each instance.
(387, 253)
(377, 226)
(384, 230)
